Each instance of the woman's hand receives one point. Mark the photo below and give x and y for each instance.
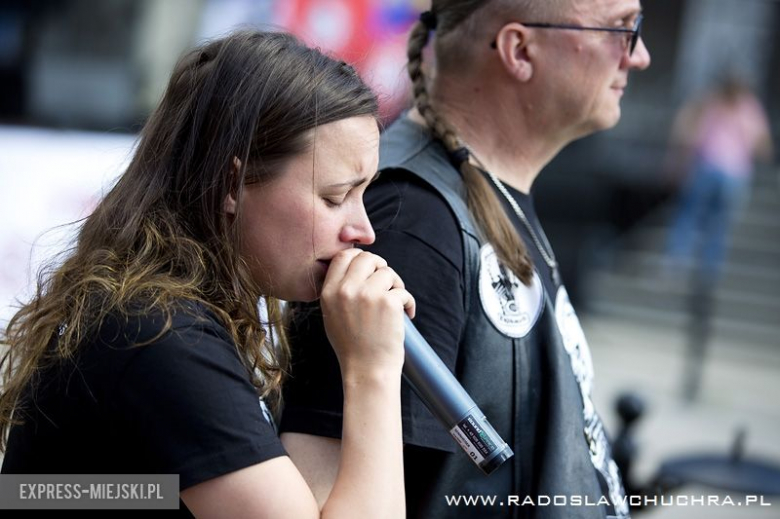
(363, 301)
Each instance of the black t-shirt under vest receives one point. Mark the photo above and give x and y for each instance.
(519, 351)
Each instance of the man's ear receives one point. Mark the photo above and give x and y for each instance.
(230, 203)
(512, 45)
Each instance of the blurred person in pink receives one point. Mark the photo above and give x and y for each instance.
(718, 137)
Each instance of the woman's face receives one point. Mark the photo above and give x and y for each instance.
(293, 225)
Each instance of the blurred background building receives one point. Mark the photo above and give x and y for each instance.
(79, 77)
(102, 65)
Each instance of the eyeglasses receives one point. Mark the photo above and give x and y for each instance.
(632, 35)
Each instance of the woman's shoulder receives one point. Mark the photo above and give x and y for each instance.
(140, 323)
(139, 344)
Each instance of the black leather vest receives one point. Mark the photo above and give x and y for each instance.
(540, 415)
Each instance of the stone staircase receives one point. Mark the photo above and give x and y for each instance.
(632, 283)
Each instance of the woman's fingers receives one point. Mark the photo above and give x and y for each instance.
(364, 265)
(339, 265)
(350, 269)
(362, 302)
(384, 278)
(406, 300)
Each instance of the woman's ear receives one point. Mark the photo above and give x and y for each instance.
(230, 203)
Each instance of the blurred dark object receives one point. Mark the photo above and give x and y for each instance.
(731, 471)
(701, 300)
(68, 63)
(17, 39)
(82, 72)
(630, 407)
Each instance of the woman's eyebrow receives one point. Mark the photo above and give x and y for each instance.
(354, 182)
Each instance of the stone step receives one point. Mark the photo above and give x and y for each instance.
(633, 281)
(761, 281)
(753, 272)
(754, 222)
(766, 178)
(765, 197)
(673, 296)
(743, 239)
(735, 330)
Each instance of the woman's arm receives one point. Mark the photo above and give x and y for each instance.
(371, 466)
(363, 303)
(369, 478)
(428, 259)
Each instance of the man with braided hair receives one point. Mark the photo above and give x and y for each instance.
(515, 81)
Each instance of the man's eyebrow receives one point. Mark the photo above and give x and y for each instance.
(630, 13)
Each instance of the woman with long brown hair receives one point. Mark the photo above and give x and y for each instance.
(144, 352)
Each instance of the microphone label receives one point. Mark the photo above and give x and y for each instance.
(474, 438)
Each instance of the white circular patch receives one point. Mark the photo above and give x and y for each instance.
(512, 307)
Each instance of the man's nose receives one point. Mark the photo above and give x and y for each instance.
(640, 58)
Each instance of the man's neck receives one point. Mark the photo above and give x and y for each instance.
(499, 141)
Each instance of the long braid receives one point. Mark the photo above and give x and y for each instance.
(483, 203)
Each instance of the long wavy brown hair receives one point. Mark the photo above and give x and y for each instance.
(160, 235)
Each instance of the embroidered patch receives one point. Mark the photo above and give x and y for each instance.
(512, 307)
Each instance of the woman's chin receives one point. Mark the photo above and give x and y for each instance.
(308, 292)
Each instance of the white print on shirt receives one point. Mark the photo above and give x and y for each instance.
(512, 307)
(582, 366)
(267, 414)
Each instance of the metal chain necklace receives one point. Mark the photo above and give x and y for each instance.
(545, 252)
(545, 249)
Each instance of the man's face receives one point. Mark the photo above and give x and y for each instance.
(586, 72)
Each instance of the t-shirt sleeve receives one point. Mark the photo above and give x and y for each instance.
(419, 237)
(190, 403)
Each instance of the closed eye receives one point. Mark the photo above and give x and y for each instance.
(334, 201)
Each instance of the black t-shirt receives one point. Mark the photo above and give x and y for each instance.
(181, 404)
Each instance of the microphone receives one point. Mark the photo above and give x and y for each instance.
(445, 397)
